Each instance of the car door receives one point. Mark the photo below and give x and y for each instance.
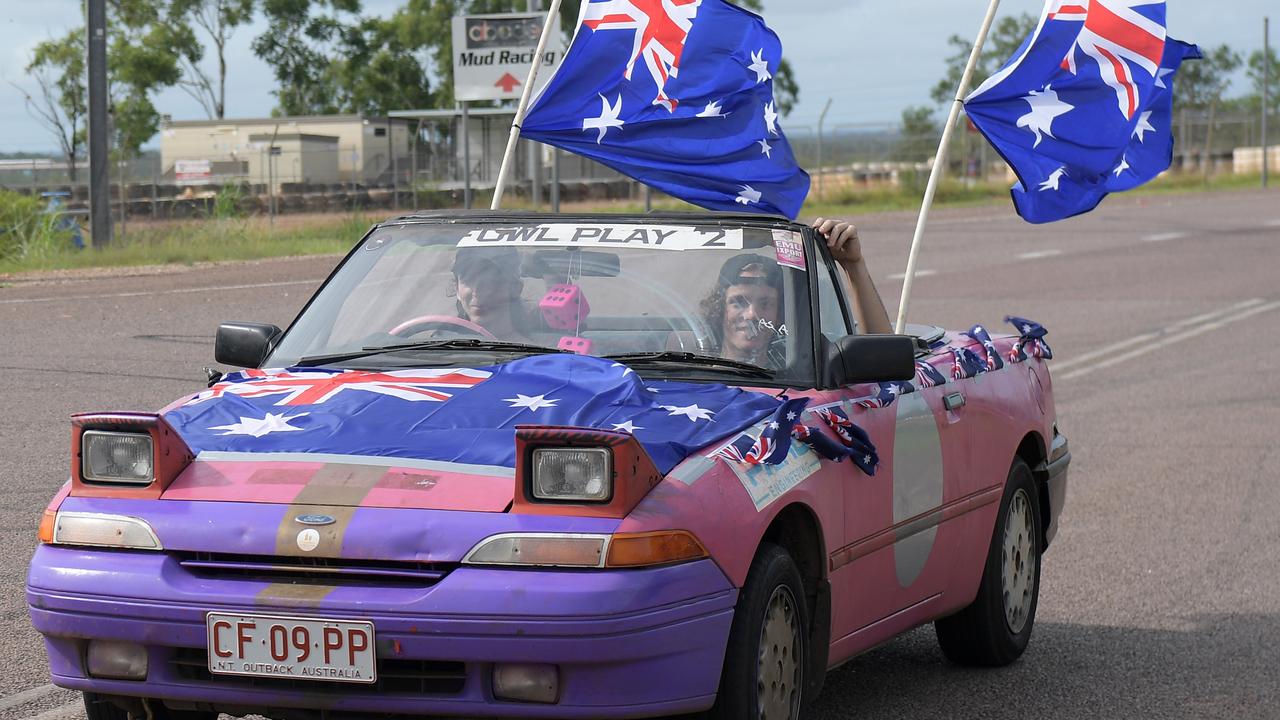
(896, 553)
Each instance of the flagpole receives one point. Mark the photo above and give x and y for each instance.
(523, 106)
(939, 162)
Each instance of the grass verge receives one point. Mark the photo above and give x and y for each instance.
(229, 238)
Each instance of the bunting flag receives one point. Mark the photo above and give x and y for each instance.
(991, 355)
(1031, 338)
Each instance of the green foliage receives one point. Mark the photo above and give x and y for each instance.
(301, 44)
(1253, 100)
(58, 67)
(920, 133)
(1003, 41)
(226, 205)
(219, 20)
(26, 233)
(1201, 84)
(143, 48)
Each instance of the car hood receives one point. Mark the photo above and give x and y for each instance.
(407, 437)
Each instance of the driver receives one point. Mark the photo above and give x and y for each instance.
(487, 284)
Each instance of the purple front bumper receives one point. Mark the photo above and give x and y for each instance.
(632, 643)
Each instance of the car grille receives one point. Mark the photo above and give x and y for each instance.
(395, 676)
(316, 570)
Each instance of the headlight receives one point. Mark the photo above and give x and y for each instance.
(577, 474)
(101, 530)
(116, 457)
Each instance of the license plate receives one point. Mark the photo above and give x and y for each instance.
(289, 647)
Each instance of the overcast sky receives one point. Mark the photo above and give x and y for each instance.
(871, 57)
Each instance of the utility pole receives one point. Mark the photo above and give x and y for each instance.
(99, 163)
(821, 118)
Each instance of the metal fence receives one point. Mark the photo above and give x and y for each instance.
(430, 172)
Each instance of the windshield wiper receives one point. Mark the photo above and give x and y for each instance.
(455, 344)
(688, 358)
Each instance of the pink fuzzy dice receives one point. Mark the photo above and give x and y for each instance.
(582, 346)
(564, 307)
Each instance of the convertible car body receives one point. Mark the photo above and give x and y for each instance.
(597, 512)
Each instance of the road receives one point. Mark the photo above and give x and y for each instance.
(1161, 594)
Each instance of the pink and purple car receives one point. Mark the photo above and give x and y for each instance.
(522, 465)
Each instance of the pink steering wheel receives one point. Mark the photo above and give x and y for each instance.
(438, 322)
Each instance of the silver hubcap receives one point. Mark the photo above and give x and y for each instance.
(1018, 563)
(779, 673)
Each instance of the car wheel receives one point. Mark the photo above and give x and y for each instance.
(97, 707)
(763, 675)
(996, 627)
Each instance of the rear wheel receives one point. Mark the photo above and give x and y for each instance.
(995, 629)
(763, 676)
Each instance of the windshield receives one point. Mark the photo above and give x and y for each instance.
(689, 296)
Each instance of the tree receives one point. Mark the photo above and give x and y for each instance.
(1003, 41)
(1255, 67)
(920, 133)
(141, 58)
(1201, 85)
(300, 45)
(379, 72)
(219, 20)
(58, 67)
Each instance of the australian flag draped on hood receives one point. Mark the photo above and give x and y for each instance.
(1085, 107)
(459, 414)
(677, 94)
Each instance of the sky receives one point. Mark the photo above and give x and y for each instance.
(871, 58)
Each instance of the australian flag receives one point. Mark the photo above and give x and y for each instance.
(465, 415)
(677, 94)
(1085, 107)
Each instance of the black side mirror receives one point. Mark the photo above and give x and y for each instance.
(246, 345)
(871, 358)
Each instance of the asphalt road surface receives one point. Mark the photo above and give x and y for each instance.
(1161, 594)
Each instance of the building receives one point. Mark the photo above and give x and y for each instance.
(321, 149)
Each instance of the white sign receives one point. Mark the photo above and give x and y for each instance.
(492, 54)
(655, 237)
(192, 172)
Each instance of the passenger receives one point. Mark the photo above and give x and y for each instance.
(846, 250)
(488, 286)
(745, 311)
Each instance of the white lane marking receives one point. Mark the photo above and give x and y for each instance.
(1039, 254)
(70, 711)
(1273, 223)
(26, 696)
(177, 291)
(1161, 237)
(1060, 366)
(1187, 335)
(919, 274)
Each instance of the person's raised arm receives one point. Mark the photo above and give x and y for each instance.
(846, 249)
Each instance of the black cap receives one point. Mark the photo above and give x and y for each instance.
(759, 269)
(467, 260)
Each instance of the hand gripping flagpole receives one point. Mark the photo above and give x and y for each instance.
(523, 106)
(940, 162)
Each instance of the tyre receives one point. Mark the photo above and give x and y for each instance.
(996, 627)
(97, 707)
(763, 675)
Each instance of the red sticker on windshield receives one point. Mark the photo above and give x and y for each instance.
(789, 249)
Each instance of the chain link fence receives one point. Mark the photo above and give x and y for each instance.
(432, 169)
